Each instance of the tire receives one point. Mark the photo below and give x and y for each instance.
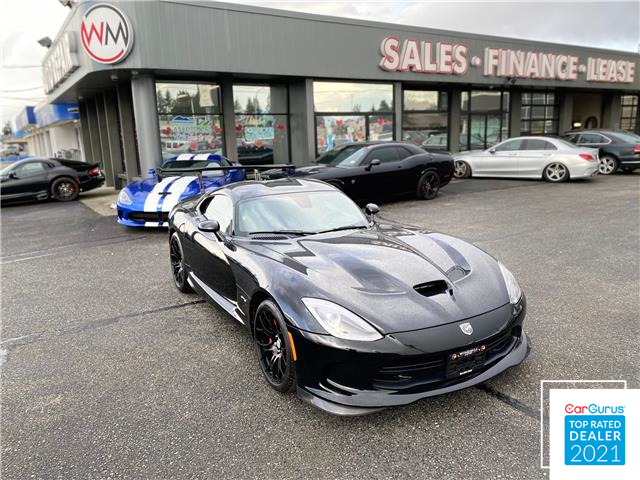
(273, 347)
(65, 189)
(555, 172)
(176, 259)
(428, 186)
(607, 165)
(461, 169)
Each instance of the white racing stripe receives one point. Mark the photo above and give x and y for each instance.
(184, 156)
(202, 156)
(151, 203)
(176, 190)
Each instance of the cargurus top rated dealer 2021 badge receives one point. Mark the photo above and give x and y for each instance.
(595, 434)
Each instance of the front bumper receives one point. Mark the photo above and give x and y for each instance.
(130, 216)
(405, 367)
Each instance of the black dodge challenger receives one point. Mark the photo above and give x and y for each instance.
(371, 170)
(355, 313)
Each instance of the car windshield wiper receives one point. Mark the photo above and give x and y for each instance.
(346, 227)
(283, 232)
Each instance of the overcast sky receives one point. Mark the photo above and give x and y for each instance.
(605, 24)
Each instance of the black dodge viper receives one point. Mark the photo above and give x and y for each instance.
(355, 313)
(370, 170)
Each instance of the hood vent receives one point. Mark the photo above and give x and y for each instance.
(269, 237)
(429, 289)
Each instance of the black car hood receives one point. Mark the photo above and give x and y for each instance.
(374, 274)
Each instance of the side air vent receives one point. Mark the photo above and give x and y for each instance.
(429, 289)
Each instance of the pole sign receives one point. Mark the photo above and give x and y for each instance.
(60, 63)
(106, 34)
(454, 59)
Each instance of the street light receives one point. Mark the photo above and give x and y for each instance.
(45, 42)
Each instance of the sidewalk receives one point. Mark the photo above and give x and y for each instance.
(101, 200)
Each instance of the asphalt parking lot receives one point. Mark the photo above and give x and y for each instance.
(109, 372)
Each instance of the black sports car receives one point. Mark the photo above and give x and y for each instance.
(374, 170)
(355, 313)
(43, 178)
(617, 149)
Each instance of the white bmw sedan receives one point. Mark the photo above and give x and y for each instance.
(548, 158)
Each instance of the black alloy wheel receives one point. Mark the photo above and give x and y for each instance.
(429, 185)
(65, 189)
(178, 270)
(274, 349)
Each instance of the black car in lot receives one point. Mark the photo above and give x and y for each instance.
(379, 169)
(43, 178)
(618, 149)
(355, 313)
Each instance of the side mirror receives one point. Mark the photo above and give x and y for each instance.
(371, 209)
(492, 151)
(151, 171)
(373, 163)
(211, 226)
(13, 175)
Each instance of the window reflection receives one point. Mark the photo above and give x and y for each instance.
(352, 97)
(351, 113)
(189, 118)
(540, 113)
(425, 121)
(261, 124)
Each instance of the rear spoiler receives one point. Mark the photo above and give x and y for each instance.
(285, 167)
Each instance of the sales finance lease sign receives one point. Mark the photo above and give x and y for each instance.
(454, 59)
(106, 34)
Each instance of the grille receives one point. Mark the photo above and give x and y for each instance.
(431, 369)
(149, 216)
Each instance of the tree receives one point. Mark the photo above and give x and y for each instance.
(250, 106)
(236, 106)
(384, 106)
(256, 105)
(7, 130)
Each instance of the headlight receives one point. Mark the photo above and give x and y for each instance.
(124, 198)
(514, 290)
(340, 322)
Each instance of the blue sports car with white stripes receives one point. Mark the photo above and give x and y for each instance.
(147, 202)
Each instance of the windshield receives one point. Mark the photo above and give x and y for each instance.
(345, 157)
(167, 166)
(5, 169)
(304, 212)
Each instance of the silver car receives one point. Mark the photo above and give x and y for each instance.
(551, 159)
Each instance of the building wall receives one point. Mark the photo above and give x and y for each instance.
(586, 105)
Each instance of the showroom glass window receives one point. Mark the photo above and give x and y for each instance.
(484, 119)
(425, 121)
(190, 118)
(540, 113)
(352, 112)
(261, 123)
(629, 113)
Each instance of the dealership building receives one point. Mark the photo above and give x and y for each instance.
(153, 79)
